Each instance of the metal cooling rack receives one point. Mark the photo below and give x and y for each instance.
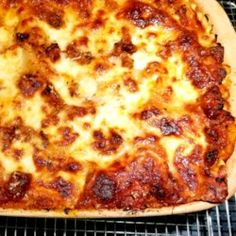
(230, 8)
(220, 220)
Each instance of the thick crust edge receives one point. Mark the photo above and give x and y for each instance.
(227, 36)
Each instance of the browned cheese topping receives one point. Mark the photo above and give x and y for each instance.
(109, 104)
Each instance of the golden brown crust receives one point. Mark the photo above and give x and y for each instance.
(227, 36)
(211, 8)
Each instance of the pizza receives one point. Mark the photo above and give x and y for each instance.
(112, 107)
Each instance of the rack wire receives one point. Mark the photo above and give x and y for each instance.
(220, 220)
(230, 8)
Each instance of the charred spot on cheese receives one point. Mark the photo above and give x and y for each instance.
(84, 8)
(72, 167)
(211, 134)
(102, 66)
(53, 16)
(55, 162)
(218, 53)
(29, 84)
(62, 2)
(83, 41)
(3, 197)
(17, 153)
(124, 45)
(149, 139)
(64, 188)
(219, 73)
(131, 85)
(143, 179)
(169, 127)
(115, 138)
(224, 118)
(43, 202)
(41, 161)
(99, 20)
(73, 88)
(127, 61)
(143, 14)
(155, 67)
(200, 76)
(7, 136)
(78, 55)
(216, 133)
(212, 102)
(221, 180)
(18, 185)
(53, 52)
(216, 190)
(187, 40)
(21, 37)
(76, 111)
(211, 156)
(68, 136)
(104, 187)
(148, 113)
(51, 119)
(52, 97)
(11, 131)
(38, 39)
(185, 170)
(80, 111)
(181, 11)
(159, 192)
(107, 145)
(44, 138)
(53, 19)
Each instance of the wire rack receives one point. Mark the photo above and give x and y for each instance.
(230, 8)
(220, 220)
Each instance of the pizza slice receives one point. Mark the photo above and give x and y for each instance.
(115, 107)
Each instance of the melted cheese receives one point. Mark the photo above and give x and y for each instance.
(115, 105)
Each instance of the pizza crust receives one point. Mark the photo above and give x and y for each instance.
(227, 37)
